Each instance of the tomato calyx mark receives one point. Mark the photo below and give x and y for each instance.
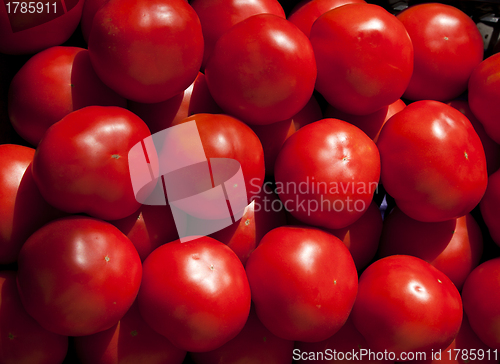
(466, 155)
(247, 222)
(133, 333)
(335, 282)
(11, 336)
(446, 38)
(115, 156)
(106, 258)
(212, 267)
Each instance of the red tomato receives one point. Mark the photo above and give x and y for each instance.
(327, 172)
(78, 275)
(90, 7)
(447, 47)
(404, 304)
(254, 344)
(372, 123)
(481, 294)
(303, 283)
(262, 70)
(131, 340)
(305, 13)
(22, 208)
(484, 93)
(491, 148)
(27, 31)
(81, 164)
(433, 162)
(364, 57)
(217, 16)
(52, 84)
(490, 206)
(452, 246)
(195, 293)
(153, 70)
(23, 339)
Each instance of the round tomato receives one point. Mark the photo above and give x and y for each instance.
(195, 293)
(404, 304)
(146, 60)
(303, 283)
(327, 172)
(78, 275)
(490, 206)
(364, 57)
(262, 70)
(433, 162)
(447, 47)
(52, 84)
(81, 164)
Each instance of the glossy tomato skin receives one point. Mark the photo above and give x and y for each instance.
(35, 32)
(452, 246)
(404, 304)
(217, 16)
(480, 296)
(262, 70)
(23, 210)
(484, 92)
(52, 84)
(195, 293)
(81, 164)
(433, 162)
(153, 70)
(327, 172)
(303, 283)
(78, 275)
(364, 57)
(130, 340)
(447, 47)
(490, 206)
(24, 340)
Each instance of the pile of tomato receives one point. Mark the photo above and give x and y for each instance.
(265, 181)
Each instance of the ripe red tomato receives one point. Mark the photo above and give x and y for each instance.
(484, 93)
(217, 16)
(23, 339)
(481, 294)
(303, 283)
(52, 84)
(195, 293)
(81, 164)
(447, 47)
(433, 162)
(262, 70)
(148, 53)
(490, 206)
(452, 246)
(404, 304)
(131, 340)
(364, 57)
(78, 275)
(327, 172)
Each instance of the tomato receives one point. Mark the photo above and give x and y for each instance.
(372, 123)
(406, 305)
(195, 293)
(262, 70)
(327, 172)
(52, 84)
(78, 275)
(305, 13)
(23, 339)
(303, 283)
(27, 32)
(130, 340)
(22, 208)
(254, 344)
(452, 246)
(484, 93)
(146, 71)
(490, 206)
(480, 296)
(217, 16)
(476, 351)
(81, 164)
(447, 46)
(433, 162)
(364, 57)
(90, 7)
